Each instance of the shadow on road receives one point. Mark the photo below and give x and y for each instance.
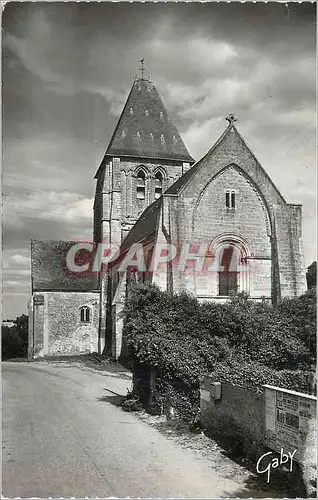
(114, 400)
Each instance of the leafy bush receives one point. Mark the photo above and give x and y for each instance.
(14, 340)
(247, 342)
(302, 315)
(311, 275)
(254, 375)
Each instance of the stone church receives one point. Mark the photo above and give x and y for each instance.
(150, 193)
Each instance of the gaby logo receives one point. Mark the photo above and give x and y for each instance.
(274, 462)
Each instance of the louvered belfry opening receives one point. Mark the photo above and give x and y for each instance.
(158, 185)
(141, 185)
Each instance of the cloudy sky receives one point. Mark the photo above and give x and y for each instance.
(67, 70)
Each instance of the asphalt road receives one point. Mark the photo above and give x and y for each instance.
(63, 436)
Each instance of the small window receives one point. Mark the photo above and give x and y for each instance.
(230, 199)
(86, 314)
(227, 200)
(158, 185)
(141, 185)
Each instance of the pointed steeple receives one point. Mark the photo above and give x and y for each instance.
(144, 128)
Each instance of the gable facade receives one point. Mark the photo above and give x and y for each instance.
(228, 206)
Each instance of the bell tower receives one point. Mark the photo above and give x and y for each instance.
(146, 154)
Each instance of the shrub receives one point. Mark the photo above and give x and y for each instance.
(14, 340)
(246, 342)
(302, 315)
(254, 375)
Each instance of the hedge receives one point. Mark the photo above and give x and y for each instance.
(254, 375)
(240, 341)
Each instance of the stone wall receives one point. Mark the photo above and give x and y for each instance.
(262, 216)
(249, 220)
(57, 327)
(116, 206)
(237, 418)
(247, 421)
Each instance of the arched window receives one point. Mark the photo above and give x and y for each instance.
(158, 185)
(85, 314)
(228, 272)
(141, 185)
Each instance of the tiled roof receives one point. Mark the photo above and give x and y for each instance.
(49, 270)
(144, 128)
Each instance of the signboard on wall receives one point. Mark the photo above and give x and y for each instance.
(38, 300)
(290, 422)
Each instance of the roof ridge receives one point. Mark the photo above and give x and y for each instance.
(134, 233)
(187, 176)
(263, 169)
(119, 119)
(182, 182)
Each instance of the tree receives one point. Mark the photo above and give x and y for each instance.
(311, 275)
(14, 340)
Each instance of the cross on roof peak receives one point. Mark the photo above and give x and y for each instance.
(231, 119)
(142, 67)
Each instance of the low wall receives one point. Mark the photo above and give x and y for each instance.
(237, 418)
(251, 423)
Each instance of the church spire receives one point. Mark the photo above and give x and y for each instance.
(144, 128)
